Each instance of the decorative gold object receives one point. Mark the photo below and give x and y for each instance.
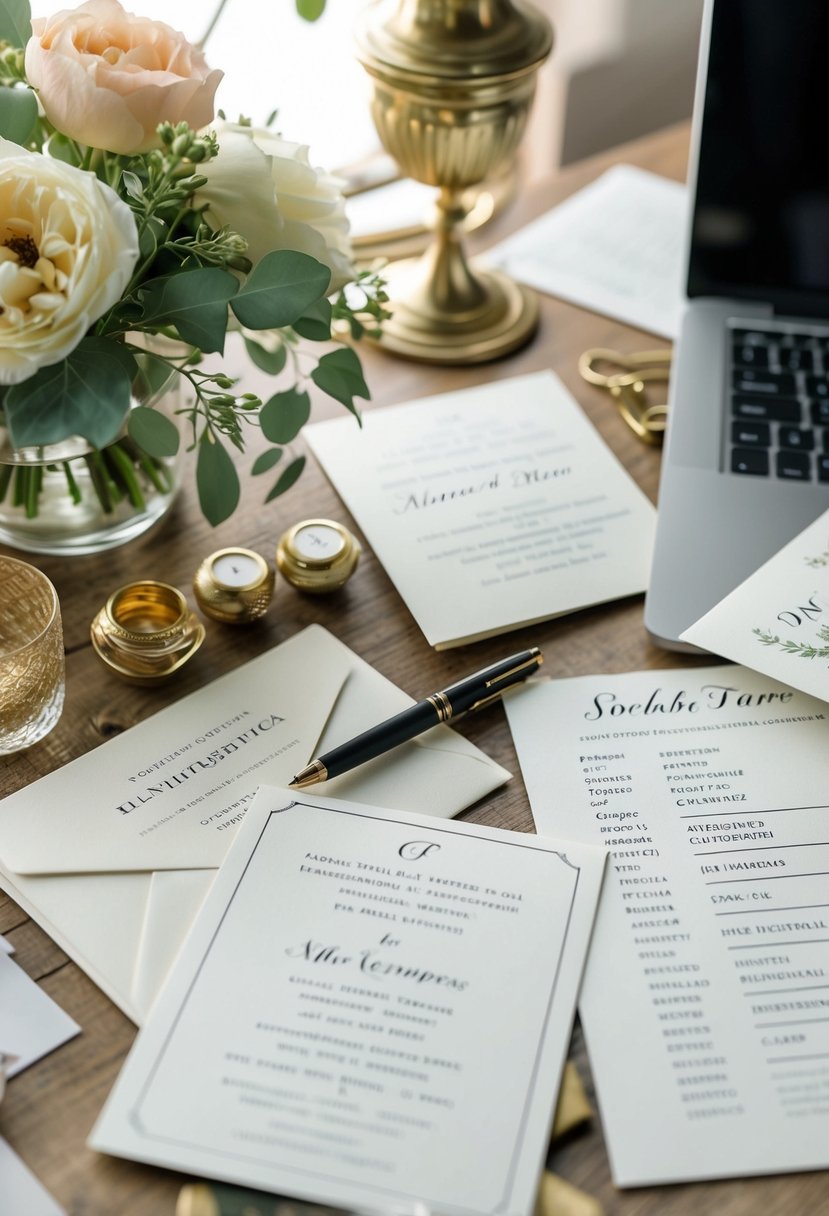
(317, 555)
(146, 631)
(234, 586)
(453, 84)
(626, 378)
(31, 656)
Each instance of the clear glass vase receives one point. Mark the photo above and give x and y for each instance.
(69, 498)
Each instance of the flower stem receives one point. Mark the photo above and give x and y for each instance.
(72, 485)
(34, 481)
(123, 472)
(6, 471)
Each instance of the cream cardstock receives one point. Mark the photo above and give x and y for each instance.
(21, 1192)
(31, 1023)
(705, 1001)
(777, 621)
(113, 853)
(372, 1011)
(614, 247)
(492, 507)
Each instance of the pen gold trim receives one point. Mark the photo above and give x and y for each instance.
(466, 696)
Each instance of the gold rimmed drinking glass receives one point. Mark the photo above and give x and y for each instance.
(31, 656)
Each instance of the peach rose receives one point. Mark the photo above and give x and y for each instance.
(107, 78)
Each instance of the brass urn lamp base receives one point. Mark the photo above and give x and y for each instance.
(453, 84)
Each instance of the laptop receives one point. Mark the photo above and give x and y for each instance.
(746, 460)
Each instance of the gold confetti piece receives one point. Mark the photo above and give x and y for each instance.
(573, 1107)
(559, 1198)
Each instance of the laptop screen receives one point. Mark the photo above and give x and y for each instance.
(761, 213)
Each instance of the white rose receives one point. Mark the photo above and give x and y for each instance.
(68, 247)
(266, 189)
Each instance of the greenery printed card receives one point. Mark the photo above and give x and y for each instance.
(777, 621)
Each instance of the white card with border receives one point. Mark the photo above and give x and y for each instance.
(491, 508)
(777, 621)
(371, 1011)
(705, 1003)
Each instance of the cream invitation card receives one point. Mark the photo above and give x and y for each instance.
(372, 1011)
(614, 247)
(492, 507)
(777, 621)
(705, 1001)
(113, 853)
(31, 1023)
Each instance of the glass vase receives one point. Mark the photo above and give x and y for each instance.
(69, 498)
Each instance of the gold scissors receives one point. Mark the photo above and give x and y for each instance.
(625, 377)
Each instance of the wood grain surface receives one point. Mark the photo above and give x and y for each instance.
(49, 1109)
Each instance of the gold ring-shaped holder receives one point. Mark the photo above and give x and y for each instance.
(145, 632)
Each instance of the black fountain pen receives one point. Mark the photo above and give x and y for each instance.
(464, 697)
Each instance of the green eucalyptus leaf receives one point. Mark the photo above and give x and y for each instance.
(15, 22)
(18, 113)
(289, 476)
(133, 185)
(281, 288)
(87, 394)
(267, 460)
(340, 375)
(284, 415)
(153, 432)
(270, 361)
(315, 322)
(310, 9)
(217, 482)
(194, 302)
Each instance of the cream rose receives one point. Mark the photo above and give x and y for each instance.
(108, 78)
(266, 189)
(68, 247)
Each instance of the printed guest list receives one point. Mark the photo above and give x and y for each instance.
(491, 508)
(705, 1001)
(371, 1011)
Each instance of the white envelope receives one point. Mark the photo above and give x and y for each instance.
(113, 853)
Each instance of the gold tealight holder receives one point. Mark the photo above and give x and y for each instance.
(317, 555)
(145, 632)
(234, 586)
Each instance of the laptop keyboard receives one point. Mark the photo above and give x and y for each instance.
(779, 424)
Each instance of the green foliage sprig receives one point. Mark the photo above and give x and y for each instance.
(803, 650)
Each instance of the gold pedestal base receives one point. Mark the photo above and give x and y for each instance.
(503, 318)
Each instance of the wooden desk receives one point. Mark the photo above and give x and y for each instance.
(50, 1108)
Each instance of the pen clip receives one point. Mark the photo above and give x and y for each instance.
(507, 677)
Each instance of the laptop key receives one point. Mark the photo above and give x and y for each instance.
(823, 468)
(794, 437)
(775, 409)
(794, 466)
(769, 384)
(817, 386)
(751, 434)
(819, 409)
(794, 359)
(750, 355)
(750, 460)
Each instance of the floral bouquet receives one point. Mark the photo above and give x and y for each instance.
(134, 232)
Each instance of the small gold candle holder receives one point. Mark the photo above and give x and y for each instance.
(317, 555)
(234, 586)
(145, 632)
